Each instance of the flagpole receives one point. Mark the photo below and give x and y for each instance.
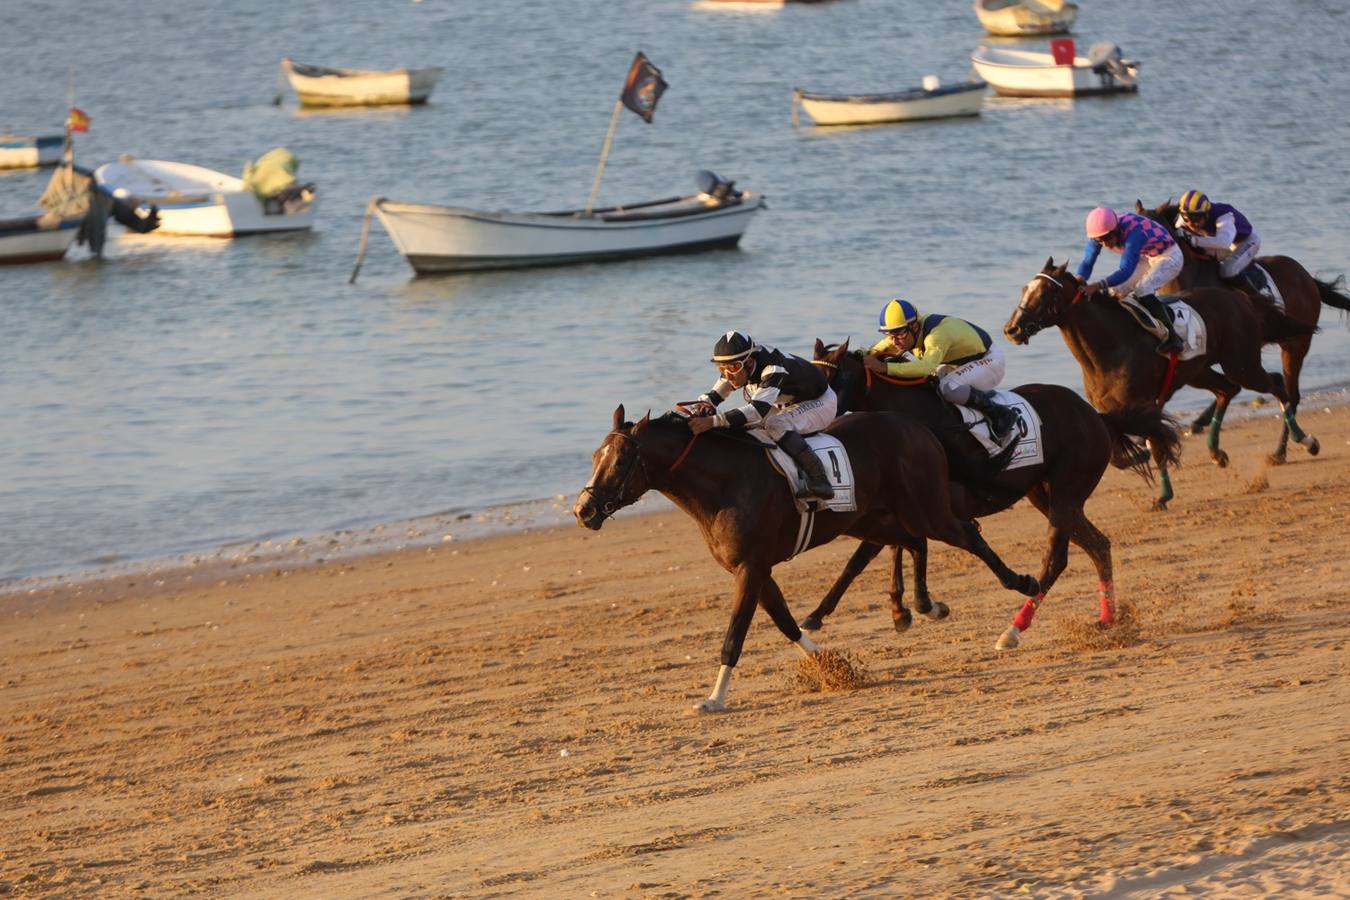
(604, 155)
(68, 150)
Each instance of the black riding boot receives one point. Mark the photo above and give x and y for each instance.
(1002, 419)
(817, 482)
(1173, 343)
(1252, 277)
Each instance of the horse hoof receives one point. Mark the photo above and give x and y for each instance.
(1276, 459)
(1160, 506)
(1104, 626)
(939, 611)
(1198, 428)
(902, 621)
(710, 705)
(1010, 639)
(811, 623)
(1314, 448)
(1220, 458)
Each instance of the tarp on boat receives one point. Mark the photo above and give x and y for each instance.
(271, 173)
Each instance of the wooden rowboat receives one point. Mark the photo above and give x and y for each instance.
(22, 151)
(1022, 18)
(322, 86)
(928, 102)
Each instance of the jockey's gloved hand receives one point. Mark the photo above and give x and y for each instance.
(695, 408)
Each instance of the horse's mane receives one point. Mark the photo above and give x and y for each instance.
(672, 419)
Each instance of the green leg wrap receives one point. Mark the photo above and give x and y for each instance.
(1215, 424)
(1294, 431)
(1166, 494)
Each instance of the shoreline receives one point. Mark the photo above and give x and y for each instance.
(289, 551)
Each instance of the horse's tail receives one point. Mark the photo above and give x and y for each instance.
(1148, 422)
(1277, 326)
(1333, 293)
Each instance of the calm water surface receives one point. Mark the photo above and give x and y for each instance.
(183, 394)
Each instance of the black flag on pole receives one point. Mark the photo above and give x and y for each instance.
(643, 87)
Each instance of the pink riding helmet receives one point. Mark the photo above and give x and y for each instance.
(1101, 221)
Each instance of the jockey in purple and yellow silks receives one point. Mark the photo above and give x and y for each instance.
(1149, 258)
(1219, 231)
(963, 358)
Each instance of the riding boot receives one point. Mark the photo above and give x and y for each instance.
(1252, 277)
(1002, 419)
(1172, 344)
(817, 482)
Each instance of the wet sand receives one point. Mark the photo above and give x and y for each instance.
(510, 716)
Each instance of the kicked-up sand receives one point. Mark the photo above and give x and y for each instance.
(511, 716)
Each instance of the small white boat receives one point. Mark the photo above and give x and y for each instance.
(1024, 73)
(32, 239)
(322, 86)
(932, 101)
(23, 151)
(197, 201)
(1022, 18)
(450, 239)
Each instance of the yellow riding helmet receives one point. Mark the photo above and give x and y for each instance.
(1193, 204)
(897, 314)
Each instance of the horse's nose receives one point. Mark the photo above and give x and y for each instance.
(586, 514)
(1013, 332)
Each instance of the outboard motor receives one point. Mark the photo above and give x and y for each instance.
(1105, 59)
(715, 186)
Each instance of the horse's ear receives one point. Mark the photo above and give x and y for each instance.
(618, 417)
(819, 351)
(642, 423)
(1049, 264)
(843, 348)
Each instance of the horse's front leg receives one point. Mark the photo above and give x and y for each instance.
(925, 604)
(1052, 565)
(866, 552)
(1165, 493)
(1292, 359)
(753, 585)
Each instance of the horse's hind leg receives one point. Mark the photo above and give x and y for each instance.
(1224, 391)
(1291, 356)
(1202, 420)
(1098, 548)
(966, 536)
(1062, 516)
(866, 552)
(933, 609)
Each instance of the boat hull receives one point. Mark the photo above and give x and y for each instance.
(1024, 74)
(1017, 20)
(964, 100)
(400, 87)
(23, 152)
(24, 241)
(438, 239)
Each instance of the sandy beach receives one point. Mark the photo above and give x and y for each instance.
(510, 716)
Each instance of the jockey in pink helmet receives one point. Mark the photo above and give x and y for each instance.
(1149, 258)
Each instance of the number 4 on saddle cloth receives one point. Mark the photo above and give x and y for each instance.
(1030, 450)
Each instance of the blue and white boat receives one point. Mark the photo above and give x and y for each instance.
(24, 151)
(31, 239)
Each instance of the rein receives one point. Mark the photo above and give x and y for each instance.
(609, 507)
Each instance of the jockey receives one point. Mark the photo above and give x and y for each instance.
(1149, 258)
(963, 358)
(787, 397)
(1220, 232)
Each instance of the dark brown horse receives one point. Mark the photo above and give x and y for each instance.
(749, 521)
(1304, 296)
(1078, 443)
(1121, 368)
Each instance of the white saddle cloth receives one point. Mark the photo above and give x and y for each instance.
(838, 469)
(1030, 449)
(1188, 325)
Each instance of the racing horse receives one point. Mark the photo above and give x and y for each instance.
(748, 517)
(1077, 445)
(1304, 296)
(1121, 368)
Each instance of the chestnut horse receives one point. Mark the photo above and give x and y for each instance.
(1077, 445)
(1304, 296)
(749, 520)
(1121, 368)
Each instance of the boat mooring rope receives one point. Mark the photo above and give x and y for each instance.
(365, 236)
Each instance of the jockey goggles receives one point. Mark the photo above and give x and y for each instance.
(732, 368)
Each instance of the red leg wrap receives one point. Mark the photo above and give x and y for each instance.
(1106, 595)
(1022, 621)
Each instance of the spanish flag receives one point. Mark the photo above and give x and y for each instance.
(78, 120)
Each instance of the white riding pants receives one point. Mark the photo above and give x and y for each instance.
(1242, 254)
(955, 382)
(806, 417)
(1151, 274)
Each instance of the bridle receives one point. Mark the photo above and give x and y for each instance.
(608, 506)
(1034, 326)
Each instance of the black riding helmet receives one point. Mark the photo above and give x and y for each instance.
(732, 347)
